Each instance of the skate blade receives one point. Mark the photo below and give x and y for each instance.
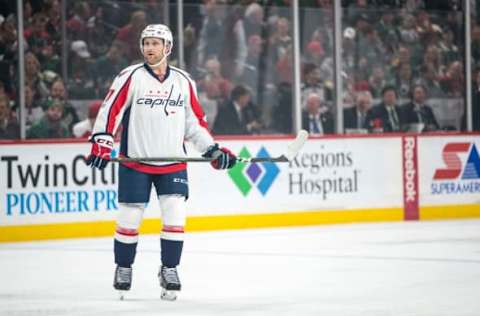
(168, 295)
(121, 294)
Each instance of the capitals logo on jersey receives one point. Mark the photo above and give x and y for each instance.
(458, 176)
(165, 98)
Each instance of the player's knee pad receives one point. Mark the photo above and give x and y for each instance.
(174, 214)
(128, 221)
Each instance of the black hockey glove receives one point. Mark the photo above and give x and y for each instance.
(222, 157)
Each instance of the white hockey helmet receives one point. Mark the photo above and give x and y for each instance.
(158, 31)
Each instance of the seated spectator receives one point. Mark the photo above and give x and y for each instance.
(238, 116)
(403, 80)
(83, 129)
(213, 83)
(33, 107)
(316, 118)
(417, 112)
(37, 34)
(386, 116)
(314, 53)
(355, 117)
(58, 92)
(377, 80)
(34, 76)
(9, 127)
(312, 83)
(49, 59)
(454, 80)
(51, 125)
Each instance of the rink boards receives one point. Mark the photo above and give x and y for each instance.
(47, 191)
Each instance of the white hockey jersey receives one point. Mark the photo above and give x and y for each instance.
(157, 116)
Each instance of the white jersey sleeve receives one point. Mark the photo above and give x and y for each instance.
(118, 99)
(196, 127)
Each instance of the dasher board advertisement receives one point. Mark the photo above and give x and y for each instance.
(449, 170)
(45, 182)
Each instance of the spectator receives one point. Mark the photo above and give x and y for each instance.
(312, 83)
(129, 34)
(81, 84)
(253, 21)
(377, 80)
(107, 66)
(211, 38)
(448, 49)
(386, 116)
(403, 80)
(253, 65)
(238, 116)
(316, 118)
(48, 57)
(418, 112)
(280, 42)
(51, 125)
(34, 77)
(355, 117)
(33, 108)
(429, 78)
(314, 53)
(37, 33)
(214, 84)
(83, 129)
(213, 89)
(453, 82)
(234, 49)
(58, 93)
(77, 24)
(9, 128)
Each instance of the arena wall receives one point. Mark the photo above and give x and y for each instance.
(47, 191)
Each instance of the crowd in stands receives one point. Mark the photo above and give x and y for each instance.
(399, 53)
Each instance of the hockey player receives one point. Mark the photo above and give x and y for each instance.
(157, 105)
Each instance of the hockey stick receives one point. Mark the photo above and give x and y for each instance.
(292, 150)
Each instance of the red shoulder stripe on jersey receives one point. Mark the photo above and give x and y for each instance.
(156, 169)
(117, 105)
(197, 109)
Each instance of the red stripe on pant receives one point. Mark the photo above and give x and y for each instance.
(127, 231)
(173, 229)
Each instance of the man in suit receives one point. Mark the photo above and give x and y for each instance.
(238, 116)
(386, 116)
(354, 117)
(317, 119)
(417, 112)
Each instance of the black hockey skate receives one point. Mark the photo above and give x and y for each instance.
(169, 282)
(122, 280)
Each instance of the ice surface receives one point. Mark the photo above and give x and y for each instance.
(417, 268)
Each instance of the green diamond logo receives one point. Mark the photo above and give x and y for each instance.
(238, 176)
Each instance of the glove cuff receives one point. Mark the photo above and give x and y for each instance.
(211, 150)
(103, 139)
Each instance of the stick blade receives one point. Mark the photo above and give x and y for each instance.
(295, 146)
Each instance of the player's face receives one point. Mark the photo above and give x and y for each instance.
(153, 49)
